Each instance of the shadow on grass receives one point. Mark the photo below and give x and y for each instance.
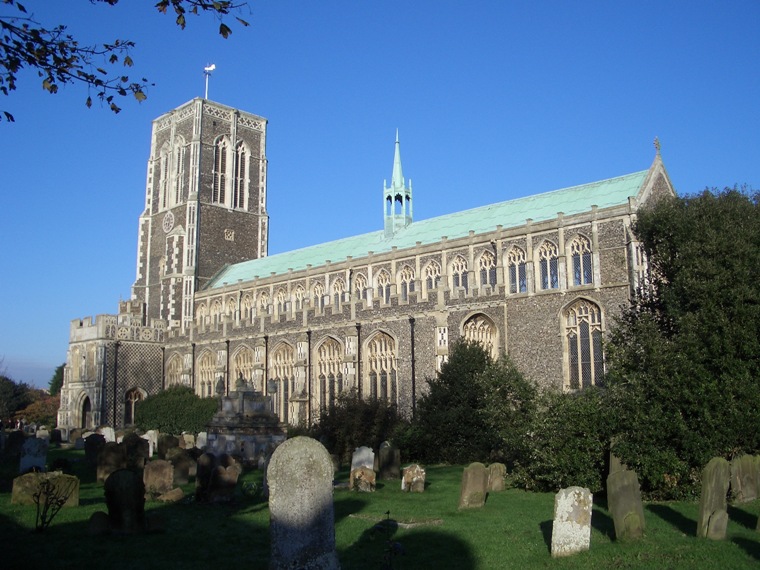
(600, 517)
(751, 547)
(546, 532)
(742, 517)
(673, 517)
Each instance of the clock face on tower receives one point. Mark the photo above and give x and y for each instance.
(168, 222)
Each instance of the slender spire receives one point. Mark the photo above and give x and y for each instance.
(397, 181)
(397, 198)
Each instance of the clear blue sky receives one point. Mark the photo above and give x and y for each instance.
(493, 100)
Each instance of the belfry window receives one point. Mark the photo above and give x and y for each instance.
(218, 192)
(240, 176)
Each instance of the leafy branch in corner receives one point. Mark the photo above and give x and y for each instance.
(59, 59)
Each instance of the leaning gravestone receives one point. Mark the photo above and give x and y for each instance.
(64, 487)
(165, 443)
(745, 478)
(301, 517)
(158, 477)
(413, 479)
(474, 486)
(388, 461)
(363, 457)
(184, 465)
(713, 513)
(33, 455)
(497, 473)
(362, 479)
(92, 445)
(125, 498)
(111, 457)
(571, 531)
(624, 498)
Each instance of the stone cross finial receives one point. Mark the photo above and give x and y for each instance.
(657, 144)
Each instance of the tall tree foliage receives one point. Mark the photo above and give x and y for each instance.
(684, 369)
(14, 396)
(56, 382)
(60, 59)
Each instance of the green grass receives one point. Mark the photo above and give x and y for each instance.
(513, 530)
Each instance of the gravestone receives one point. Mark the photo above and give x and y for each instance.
(362, 479)
(165, 443)
(56, 436)
(745, 478)
(158, 477)
(25, 486)
(79, 443)
(388, 461)
(152, 436)
(14, 443)
(74, 434)
(33, 455)
(137, 450)
(184, 465)
(497, 472)
(204, 467)
(571, 531)
(626, 508)
(302, 522)
(200, 441)
(173, 496)
(413, 479)
(363, 457)
(43, 433)
(222, 483)
(108, 433)
(92, 446)
(111, 457)
(187, 441)
(125, 499)
(713, 509)
(474, 486)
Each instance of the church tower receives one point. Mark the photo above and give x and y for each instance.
(205, 205)
(397, 198)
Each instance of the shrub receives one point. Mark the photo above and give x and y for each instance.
(175, 410)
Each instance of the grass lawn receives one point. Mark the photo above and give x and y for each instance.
(513, 530)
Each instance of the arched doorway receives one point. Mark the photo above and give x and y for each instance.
(86, 413)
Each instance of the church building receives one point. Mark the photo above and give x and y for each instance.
(538, 278)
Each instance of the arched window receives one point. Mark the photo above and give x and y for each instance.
(206, 381)
(242, 364)
(283, 359)
(580, 253)
(216, 311)
(329, 362)
(202, 314)
(130, 400)
(518, 277)
(548, 265)
(339, 287)
(230, 307)
(384, 286)
(319, 296)
(219, 188)
(459, 273)
(583, 345)
(480, 329)
(179, 171)
(360, 286)
(281, 297)
(488, 269)
(406, 281)
(240, 175)
(164, 173)
(298, 295)
(263, 303)
(381, 368)
(247, 305)
(174, 370)
(432, 275)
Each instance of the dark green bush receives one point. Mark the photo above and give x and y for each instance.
(175, 410)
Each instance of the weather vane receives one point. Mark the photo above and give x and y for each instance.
(207, 72)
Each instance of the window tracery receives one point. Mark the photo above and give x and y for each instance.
(583, 345)
(548, 257)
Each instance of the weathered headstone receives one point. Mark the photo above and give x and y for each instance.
(173, 496)
(108, 433)
(474, 486)
(63, 486)
(204, 468)
(137, 450)
(302, 522)
(745, 478)
(14, 443)
(713, 513)
(125, 498)
(200, 441)
(56, 436)
(184, 465)
(187, 441)
(79, 443)
(111, 457)
(74, 434)
(152, 436)
(363, 457)
(626, 508)
(222, 484)
(362, 479)
(158, 477)
(388, 461)
(497, 473)
(43, 433)
(92, 446)
(571, 531)
(165, 443)
(413, 479)
(33, 455)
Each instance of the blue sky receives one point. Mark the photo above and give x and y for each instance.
(493, 100)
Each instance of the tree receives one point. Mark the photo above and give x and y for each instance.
(59, 59)
(56, 382)
(175, 410)
(684, 373)
(14, 396)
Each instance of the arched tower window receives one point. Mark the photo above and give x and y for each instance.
(488, 269)
(219, 188)
(329, 374)
(381, 368)
(283, 360)
(164, 169)
(360, 286)
(130, 400)
(406, 281)
(518, 277)
(179, 171)
(240, 176)
(384, 286)
(583, 345)
(205, 372)
(580, 253)
(479, 328)
(459, 273)
(432, 275)
(548, 265)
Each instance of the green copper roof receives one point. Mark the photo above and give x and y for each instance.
(540, 207)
